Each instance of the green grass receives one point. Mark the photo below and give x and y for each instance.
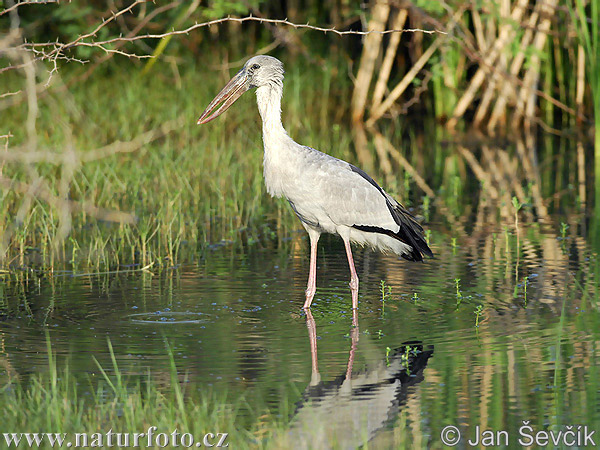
(53, 402)
(196, 186)
(199, 186)
(588, 33)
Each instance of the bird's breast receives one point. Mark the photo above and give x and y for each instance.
(275, 176)
(281, 168)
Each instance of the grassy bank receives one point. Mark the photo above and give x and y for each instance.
(136, 148)
(118, 134)
(189, 188)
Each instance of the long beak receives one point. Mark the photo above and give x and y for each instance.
(228, 95)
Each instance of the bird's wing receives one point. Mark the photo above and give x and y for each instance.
(347, 195)
(350, 197)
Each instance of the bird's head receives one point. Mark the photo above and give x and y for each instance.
(258, 71)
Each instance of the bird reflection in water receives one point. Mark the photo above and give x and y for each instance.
(352, 409)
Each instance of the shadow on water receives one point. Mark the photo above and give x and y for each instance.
(357, 405)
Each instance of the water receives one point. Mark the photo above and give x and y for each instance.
(416, 361)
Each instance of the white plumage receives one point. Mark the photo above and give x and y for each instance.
(327, 194)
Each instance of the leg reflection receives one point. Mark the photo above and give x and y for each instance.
(312, 336)
(354, 335)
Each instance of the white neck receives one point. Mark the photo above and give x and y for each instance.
(276, 141)
(268, 99)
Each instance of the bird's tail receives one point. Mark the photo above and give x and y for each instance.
(410, 233)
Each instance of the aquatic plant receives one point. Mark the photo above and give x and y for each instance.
(459, 296)
(478, 313)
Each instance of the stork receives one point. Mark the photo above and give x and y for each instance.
(327, 194)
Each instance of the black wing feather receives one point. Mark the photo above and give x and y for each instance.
(410, 232)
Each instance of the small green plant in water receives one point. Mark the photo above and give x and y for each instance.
(405, 357)
(563, 230)
(517, 205)
(563, 236)
(426, 208)
(459, 295)
(382, 289)
(415, 298)
(386, 291)
(74, 251)
(387, 355)
(525, 281)
(454, 246)
(478, 313)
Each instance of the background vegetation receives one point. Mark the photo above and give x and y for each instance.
(102, 164)
(480, 116)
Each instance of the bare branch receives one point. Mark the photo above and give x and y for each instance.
(56, 50)
(25, 2)
(9, 94)
(80, 40)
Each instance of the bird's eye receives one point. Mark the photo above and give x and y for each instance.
(255, 66)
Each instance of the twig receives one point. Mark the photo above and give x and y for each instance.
(479, 172)
(525, 100)
(405, 164)
(240, 20)
(57, 49)
(80, 40)
(507, 89)
(135, 144)
(25, 2)
(9, 94)
(417, 94)
(368, 58)
(399, 89)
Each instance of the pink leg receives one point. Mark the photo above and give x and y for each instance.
(353, 275)
(311, 288)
